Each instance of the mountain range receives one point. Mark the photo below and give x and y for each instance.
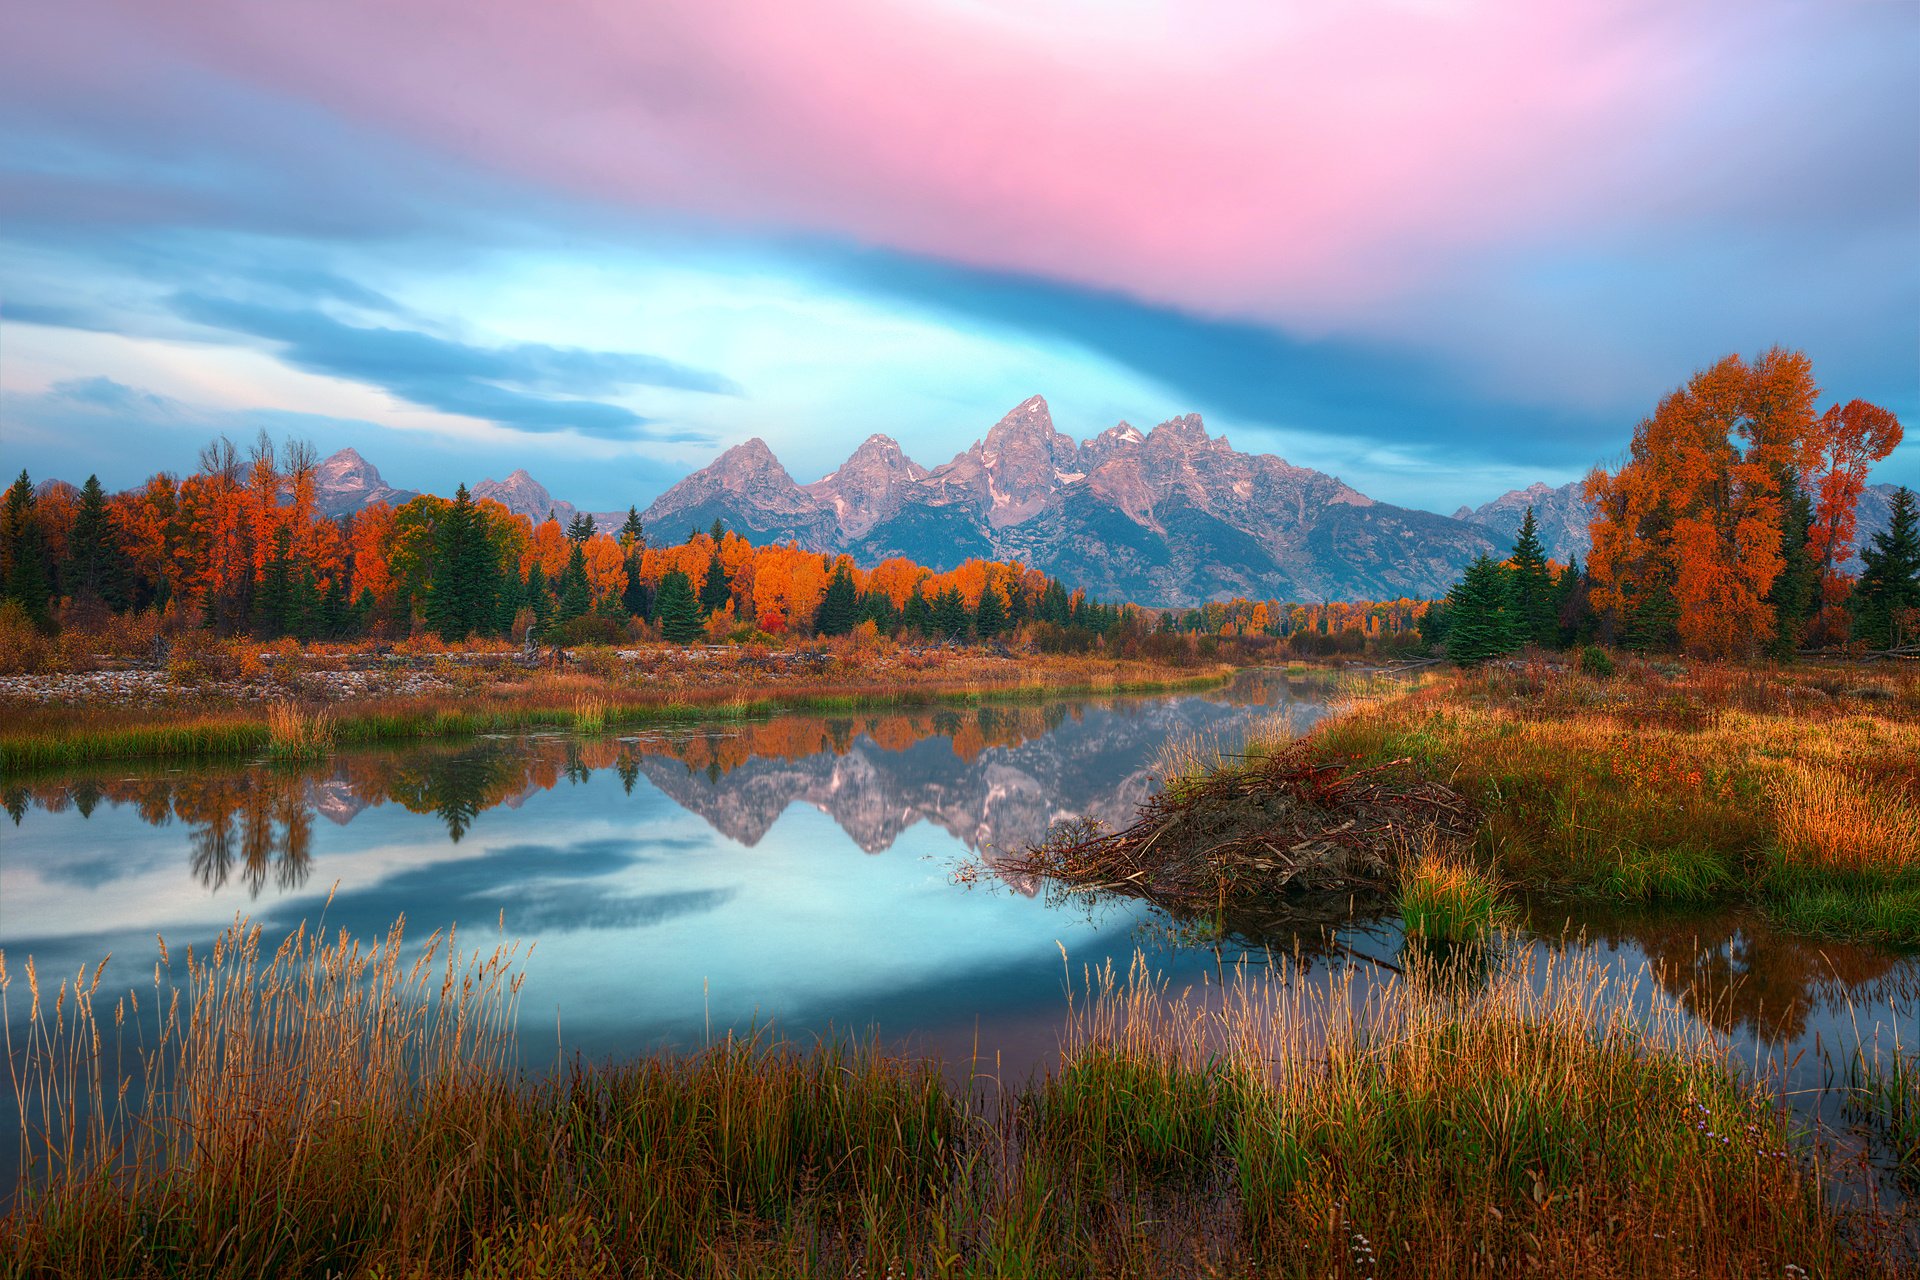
(1172, 516)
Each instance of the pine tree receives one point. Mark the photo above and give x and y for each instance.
(839, 610)
(513, 595)
(677, 610)
(715, 590)
(1530, 584)
(1572, 611)
(950, 616)
(991, 618)
(1053, 604)
(272, 602)
(1794, 592)
(465, 583)
(915, 616)
(1481, 623)
(576, 594)
(336, 614)
(1889, 588)
(633, 598)
(718, 531)
(633, 534)
(877, 607)
(581, 529)
(29, 573)
(96, 568)
(539, 599)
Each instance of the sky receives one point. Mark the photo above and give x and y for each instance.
(1438, 249)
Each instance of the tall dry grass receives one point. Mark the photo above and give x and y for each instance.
(332, 1110)
(297, 734)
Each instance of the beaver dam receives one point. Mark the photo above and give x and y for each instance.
(1258, 829)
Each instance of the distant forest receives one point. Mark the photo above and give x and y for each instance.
(1721, 536)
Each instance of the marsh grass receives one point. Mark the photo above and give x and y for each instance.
(1792, 787)
(297, 735)
(39, 737)
(1445, 897)
(589, 713)
(1885, 1085)
(336, 1110)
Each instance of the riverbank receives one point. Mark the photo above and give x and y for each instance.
(1796, 788)
(1440, 1123)
(296, 702)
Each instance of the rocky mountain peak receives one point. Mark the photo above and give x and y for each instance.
(345, 482)
(868, 486)
(521, 494)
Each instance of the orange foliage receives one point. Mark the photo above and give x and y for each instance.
(1699, 509)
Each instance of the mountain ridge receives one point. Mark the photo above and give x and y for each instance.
(1171, 516)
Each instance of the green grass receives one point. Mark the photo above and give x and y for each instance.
(1867, 913)
(1444, 899)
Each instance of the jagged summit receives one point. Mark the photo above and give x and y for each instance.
(346, 482)
(1167, 516)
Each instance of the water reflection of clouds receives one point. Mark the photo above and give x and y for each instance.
(543, 889)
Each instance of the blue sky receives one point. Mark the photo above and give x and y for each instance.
(1440, 263)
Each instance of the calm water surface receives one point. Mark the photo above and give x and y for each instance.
(799, 871)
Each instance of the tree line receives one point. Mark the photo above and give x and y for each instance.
(1724, 534)
(240, 547)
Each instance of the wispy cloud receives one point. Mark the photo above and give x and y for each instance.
(525, 386)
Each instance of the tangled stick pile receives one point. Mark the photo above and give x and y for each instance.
(1255, 830)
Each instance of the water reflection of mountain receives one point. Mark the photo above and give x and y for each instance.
(1095, 761)
(993, 776)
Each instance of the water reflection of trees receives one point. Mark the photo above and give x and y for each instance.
(1730, 970)
(252, 825)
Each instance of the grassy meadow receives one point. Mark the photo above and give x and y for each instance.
(334, 1109)
(1797, 788)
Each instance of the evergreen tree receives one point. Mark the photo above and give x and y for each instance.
(1572, 609)
(302, 617)
(465, 584)
(1889, 586)
(634, 597)
(950, 616)
(1654, 622)
(718, 531)
(29, 572)
(877, 607)
(1530, 584)
(839, 608)
(1481, 623)
(274, 601)
(580, 529)
(1434, 623)
(991, 619)
(1053, 604)
(513, 596)
(539, 599)
(576, 594)
(715, 590)
(1793, 593)
(96, 568)
(915, 616)
(677, 609)
(336, 614)
(633, 534)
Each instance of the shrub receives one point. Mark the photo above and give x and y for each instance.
(1592, 660)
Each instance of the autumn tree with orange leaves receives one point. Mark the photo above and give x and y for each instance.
(1693, 534)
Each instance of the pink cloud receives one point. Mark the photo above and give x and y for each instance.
(1298, 162)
